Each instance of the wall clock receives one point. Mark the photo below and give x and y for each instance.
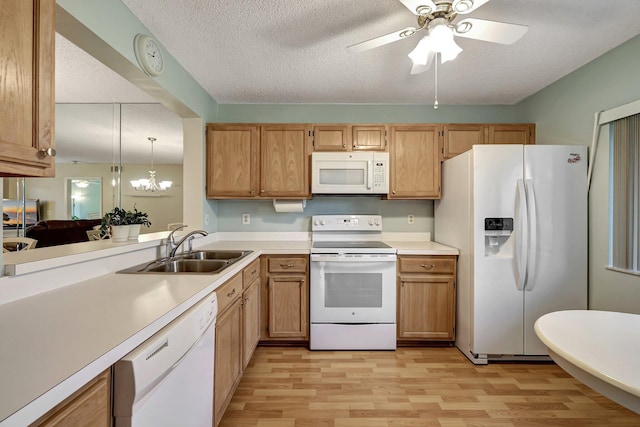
(148, 54)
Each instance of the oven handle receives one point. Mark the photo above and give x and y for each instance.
(351, 258)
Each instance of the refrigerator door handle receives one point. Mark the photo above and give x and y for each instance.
(522, 244)
(532, 235)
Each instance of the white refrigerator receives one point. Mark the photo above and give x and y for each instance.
(518, 215)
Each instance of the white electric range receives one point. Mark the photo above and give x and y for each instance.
(352, 284)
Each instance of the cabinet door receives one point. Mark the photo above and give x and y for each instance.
(426, 307)
(250, 321)
(90, 406)
(232, 161)
(459, 138)
(331, 138)
(512, 134)
(369, 137)
(228, 357)
(27, 51)
(284, 152)
(288, 302)
(415, 162)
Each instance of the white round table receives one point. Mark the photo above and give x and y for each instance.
(599, 348)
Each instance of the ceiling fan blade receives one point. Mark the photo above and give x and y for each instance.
(420, 68)
(467, 6)
(420, 7)
(382, 40)
(490, 31)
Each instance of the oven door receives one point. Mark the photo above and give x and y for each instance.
(353, 288)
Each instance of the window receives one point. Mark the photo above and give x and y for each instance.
(624, 244)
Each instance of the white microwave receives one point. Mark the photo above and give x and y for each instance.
(350, 173)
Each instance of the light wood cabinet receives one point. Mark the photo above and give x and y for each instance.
(232, 161)
(426, 298)
(89, 406)
(258, 161)
(349, 137)
(369, 137)
(415, 162)
(285, 161)
(285, 298)
(250, 311)
(334, 137)
(27, 35)
(228, 346)
(459, 138)
(511, 133)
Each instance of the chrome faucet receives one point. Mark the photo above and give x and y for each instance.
(190, 236)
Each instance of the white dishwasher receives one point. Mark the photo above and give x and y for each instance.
(168, 380)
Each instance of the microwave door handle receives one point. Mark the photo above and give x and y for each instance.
(369, 174)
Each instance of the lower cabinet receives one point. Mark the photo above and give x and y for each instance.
(89, 406)
(237, 333)
(285, 298)
(426, 298)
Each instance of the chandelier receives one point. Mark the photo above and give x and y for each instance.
(150, 184)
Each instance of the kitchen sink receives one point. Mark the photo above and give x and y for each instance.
(194, 262)
(217, 255)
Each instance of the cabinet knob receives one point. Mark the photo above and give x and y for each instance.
(344, 145)
(393, 192)
(253, 192)
(427, 266)
(230, 294)
(262, 191)
(47, 152)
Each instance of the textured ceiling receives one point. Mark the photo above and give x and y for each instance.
(292, 51)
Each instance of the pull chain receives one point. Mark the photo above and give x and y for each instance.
(435, 104)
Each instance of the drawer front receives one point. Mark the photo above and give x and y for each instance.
(229, 292)
(427, 264)
(287, 265)
(251, 273)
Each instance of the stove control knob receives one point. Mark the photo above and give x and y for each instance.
(316, 222)
(377, 221)
(370, 221)
(322, 222)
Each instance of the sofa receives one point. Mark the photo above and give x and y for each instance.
(60, 232)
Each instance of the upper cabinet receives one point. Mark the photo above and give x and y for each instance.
(511, 134)
(343, 137)
(415, 162)
(254, 161)
(27, 35)
(460, 137)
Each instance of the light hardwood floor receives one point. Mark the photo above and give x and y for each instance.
(287, 387)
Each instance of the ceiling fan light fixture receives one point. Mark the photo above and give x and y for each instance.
(441, 36)
(420, 54)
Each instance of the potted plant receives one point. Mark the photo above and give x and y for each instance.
(117, 222)
(136, 219)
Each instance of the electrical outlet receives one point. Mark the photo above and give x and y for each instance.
(411, 218)
(246, 218)
(206, 219)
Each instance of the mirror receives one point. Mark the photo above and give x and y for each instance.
(84, 197)
(102, 127)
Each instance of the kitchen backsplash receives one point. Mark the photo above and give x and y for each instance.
(262, 216)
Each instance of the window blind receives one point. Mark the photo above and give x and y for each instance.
(625, 186)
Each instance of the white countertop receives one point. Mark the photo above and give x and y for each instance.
(599, 348)
(56, 341)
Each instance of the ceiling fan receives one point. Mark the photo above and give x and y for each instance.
(436, 18)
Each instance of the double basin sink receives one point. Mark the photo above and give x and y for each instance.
(194, 262)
